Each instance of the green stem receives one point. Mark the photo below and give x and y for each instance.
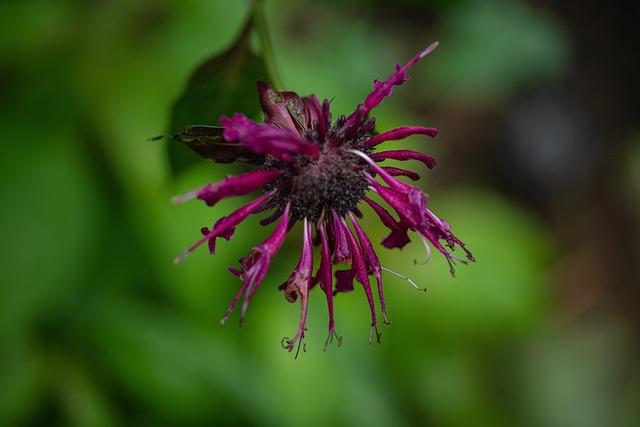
(267, 47)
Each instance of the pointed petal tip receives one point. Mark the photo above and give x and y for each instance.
(178, 200)
(181, 258)
(429, 49)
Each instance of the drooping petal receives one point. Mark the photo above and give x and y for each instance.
(344, 281)
(400, 133)
(371, 261)
(325, 277)
(342, 253)
(299, 282)
(412, 210)
(411, 205)
(398, 202)
(359, 270)
(224, 227)
(254, 266)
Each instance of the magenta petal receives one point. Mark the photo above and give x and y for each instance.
(371, 261)
(319, 116)
(299, 283)
(324, 276)
(383, 89)
(401, 172)
(411, 207)
(399, 236)
(211, 243)
(354, 122)
(225, 226)
(344, 281)
(236, 185)
(400, 133)
(429, 161)
(359, 269)
(397, 186)
(282, 143)
(342, 253)
(312, 112)
(256, 264)
(399, 203)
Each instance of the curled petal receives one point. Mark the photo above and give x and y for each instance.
(399, 236)
(282, 109)
(371, 261)
(344, 281)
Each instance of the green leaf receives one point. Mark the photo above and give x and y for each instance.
(222, 85)
(207, 141)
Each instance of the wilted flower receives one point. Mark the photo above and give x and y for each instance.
(316, 170)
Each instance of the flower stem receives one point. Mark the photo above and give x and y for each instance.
(267, 47)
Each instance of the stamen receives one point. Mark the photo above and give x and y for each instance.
(364, 156)
(329, 340)
(288, 343)
(378, 334)
(427, 247)
(405, 278)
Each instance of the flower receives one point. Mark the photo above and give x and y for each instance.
(315, 170)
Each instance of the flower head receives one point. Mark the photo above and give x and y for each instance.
(316, 170)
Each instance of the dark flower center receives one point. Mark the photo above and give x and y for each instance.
(334, 181)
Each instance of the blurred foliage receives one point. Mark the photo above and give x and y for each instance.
(99, 328)
(481, 65)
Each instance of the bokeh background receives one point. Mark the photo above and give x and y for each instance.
(539, 173)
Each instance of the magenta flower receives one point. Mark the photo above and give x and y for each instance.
(316, 170)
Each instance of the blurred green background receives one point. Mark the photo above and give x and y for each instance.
(539, 160)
